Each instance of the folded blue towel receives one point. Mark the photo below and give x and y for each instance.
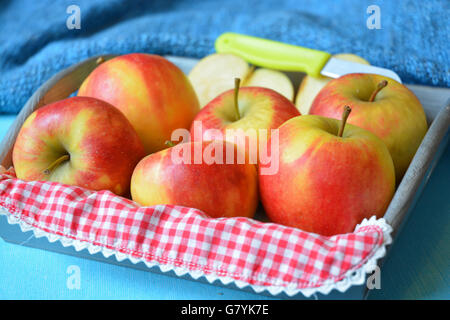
(35, 42)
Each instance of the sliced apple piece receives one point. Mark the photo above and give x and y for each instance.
(272, 79)
(215, 74)
(351, 57)
(311, 86)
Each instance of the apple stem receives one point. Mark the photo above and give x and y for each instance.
(170, 143)
(345, 115)
(100, 60)
(237, 82)
(380, 86)
(56, 163)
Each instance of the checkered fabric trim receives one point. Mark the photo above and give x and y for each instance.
(257, 253)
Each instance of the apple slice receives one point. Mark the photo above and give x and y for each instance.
(311, 86)
(215, 74)
(272, 79)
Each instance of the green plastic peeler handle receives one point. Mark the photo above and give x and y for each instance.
(272, 54)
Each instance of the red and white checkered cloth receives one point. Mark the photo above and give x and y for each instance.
(241, 249)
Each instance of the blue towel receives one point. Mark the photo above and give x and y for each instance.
(35, 42)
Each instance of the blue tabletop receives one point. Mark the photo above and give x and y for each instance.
(418, 266)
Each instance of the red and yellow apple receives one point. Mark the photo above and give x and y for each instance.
(78, 141)
(311, 86)
(197, 175)
(381, 105)
(247, 109)
(152, 92)
(327, 183)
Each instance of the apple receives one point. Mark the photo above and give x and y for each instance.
(381, 105)
(250, 109)
(218, 188)
(215, 74)
(310, 86)
(78, 141)
(153, 93)
(330, 177)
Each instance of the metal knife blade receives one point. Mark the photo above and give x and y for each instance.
(335, 68)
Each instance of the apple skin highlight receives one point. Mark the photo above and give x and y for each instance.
(153, 93)
(102, 145)
(327, 184)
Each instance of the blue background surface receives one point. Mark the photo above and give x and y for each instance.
(418, 266)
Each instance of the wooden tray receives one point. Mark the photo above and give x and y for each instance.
(435, 101)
